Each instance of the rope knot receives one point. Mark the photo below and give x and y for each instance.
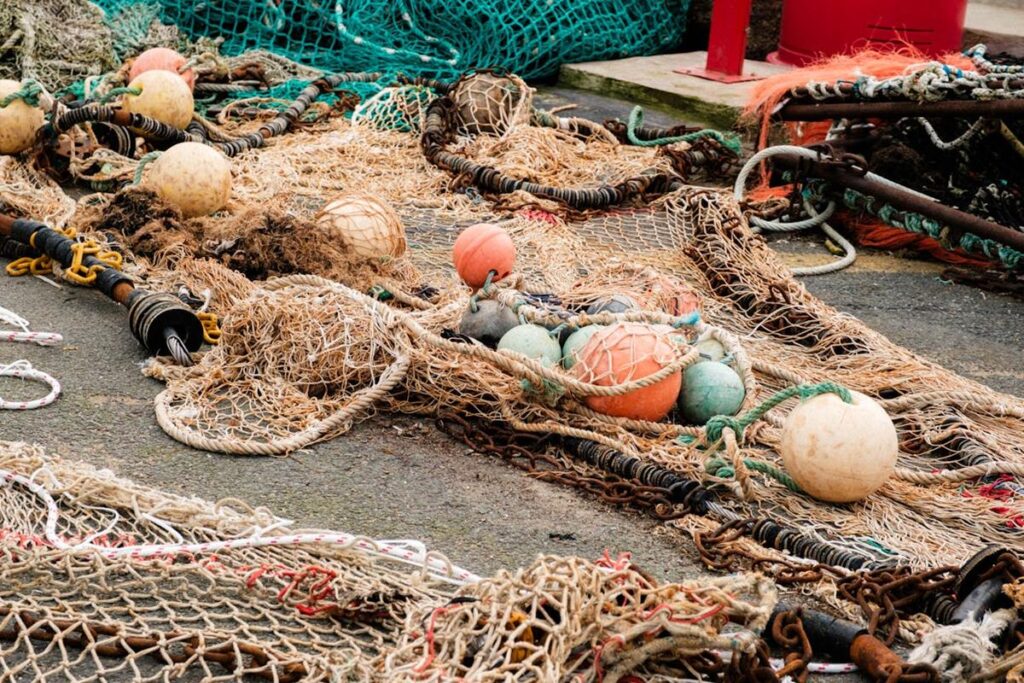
(714, 427)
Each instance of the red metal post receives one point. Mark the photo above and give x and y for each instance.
(728, 40)
(727, 43)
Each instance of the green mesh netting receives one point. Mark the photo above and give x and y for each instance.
(430, 37)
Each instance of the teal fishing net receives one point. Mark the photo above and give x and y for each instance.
(418, 37)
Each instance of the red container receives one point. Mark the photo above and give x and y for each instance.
(821, 28)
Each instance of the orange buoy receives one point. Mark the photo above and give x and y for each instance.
(481, 249)
(162, 59)
(625, 352)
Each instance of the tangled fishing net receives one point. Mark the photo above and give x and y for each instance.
(440, 38)
(108, 579)
(315, 337)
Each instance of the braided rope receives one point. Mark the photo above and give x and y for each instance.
(30, 93)
(22, 369)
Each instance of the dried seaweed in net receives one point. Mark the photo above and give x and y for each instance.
(103, 578)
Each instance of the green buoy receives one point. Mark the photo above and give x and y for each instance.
(532, 341)
(575, 343)
(710, 388)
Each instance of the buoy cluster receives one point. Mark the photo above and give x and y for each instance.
(602, 355)
(835, 451)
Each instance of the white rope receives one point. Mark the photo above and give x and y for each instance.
(407, 551)
(22, 369)
(816, 219)
(959, 651)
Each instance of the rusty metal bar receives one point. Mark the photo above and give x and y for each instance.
(954, 218)
(826, 111)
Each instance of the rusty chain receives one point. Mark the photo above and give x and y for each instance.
(718, 551)
(529, 452)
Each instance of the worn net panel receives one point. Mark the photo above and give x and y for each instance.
(436, 37)
(103, 579)
(302, 358)
(54, 41)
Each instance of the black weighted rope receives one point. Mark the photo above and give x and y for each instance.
(438, 132)
(155, 130)
(696, 498)
(45, 240)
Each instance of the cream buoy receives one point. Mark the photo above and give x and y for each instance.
(193, 177)
(367, 226)
(839, 452)
(163, 96)
(19, 121)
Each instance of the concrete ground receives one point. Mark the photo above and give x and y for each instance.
(400, 478)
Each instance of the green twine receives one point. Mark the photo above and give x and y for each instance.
(717, 467)
(380, 293)
(550, 392)
(730, 141)
(116, 92)
(143, 162)
(28, 93)
(717, 424)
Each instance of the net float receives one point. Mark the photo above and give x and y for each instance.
(626, 352)
(575, 343)
(162, 96)
(19, 121)
(710, 388)
(839, 452)
(618, 303)
(367, 226)
(193, 177)
(162, 59)
(488, 323)
(481, 251)
(532, 341)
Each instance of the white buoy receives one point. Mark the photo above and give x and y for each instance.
(839, 452)
(367, 226)
(19, 121)
(165, 97)
(191, 176)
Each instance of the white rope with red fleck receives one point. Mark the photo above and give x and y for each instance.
(22, 369)
(405, 551)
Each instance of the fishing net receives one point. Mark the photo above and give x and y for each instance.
(329, 338)
(106, 579)
(56, 42)
(530, 37)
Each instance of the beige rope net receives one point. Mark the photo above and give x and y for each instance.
(302, 357)
(315, 338)
(102, 579)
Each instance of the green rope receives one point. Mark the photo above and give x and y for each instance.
(636, 117)
(115, 92)
(922, 225)
(143, 162)
(717, 467)
(717, 424)
(28, 93)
